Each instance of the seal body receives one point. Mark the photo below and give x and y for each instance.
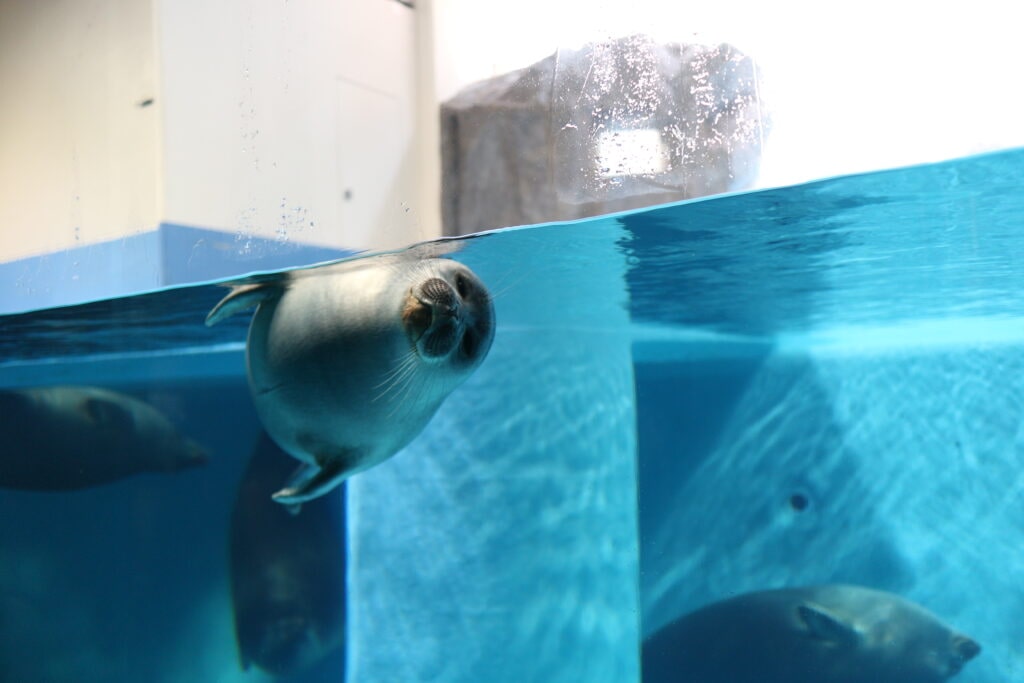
(287, 571)
(818, 634)
(347, 363)
(66, 437)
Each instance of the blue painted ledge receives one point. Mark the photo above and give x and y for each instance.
(169, 255)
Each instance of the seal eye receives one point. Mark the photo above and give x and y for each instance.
(461, 285)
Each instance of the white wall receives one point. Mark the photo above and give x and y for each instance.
(271, 118)
(291, 120)
(78, 154)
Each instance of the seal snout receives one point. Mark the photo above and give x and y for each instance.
(433, 317)
(449, 318)
(964, 650)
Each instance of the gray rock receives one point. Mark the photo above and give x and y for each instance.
(552, 141)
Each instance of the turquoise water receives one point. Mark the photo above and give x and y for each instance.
(820, 383)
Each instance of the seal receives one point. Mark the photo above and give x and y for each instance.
(287, 571)
(348, 362)
(67, 437)
(817, 634)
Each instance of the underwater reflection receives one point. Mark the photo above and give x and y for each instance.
(287, 570)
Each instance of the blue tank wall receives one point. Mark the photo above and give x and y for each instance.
(504, 540)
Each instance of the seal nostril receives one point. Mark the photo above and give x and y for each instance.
(440, 341)
(436, 288)
(439, 295)
(966, 649)
(470, 343)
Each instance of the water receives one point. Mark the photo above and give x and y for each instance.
(813, 384)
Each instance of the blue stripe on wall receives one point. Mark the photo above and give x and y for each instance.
(169, 255)
(94, 271)
(196, 254)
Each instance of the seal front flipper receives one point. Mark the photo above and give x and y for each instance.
(311, 482)
(821, 625)
(106, 414)
(241, 298)
(297, 481)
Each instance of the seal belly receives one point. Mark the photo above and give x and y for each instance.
(287, 571)
(317, 370)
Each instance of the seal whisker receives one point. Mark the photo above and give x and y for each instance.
(503, 288)
(398, 368)
(404, 387)
(407, 272)
(400, 270)
(417, 384)
(391, 382)
(401, 375)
